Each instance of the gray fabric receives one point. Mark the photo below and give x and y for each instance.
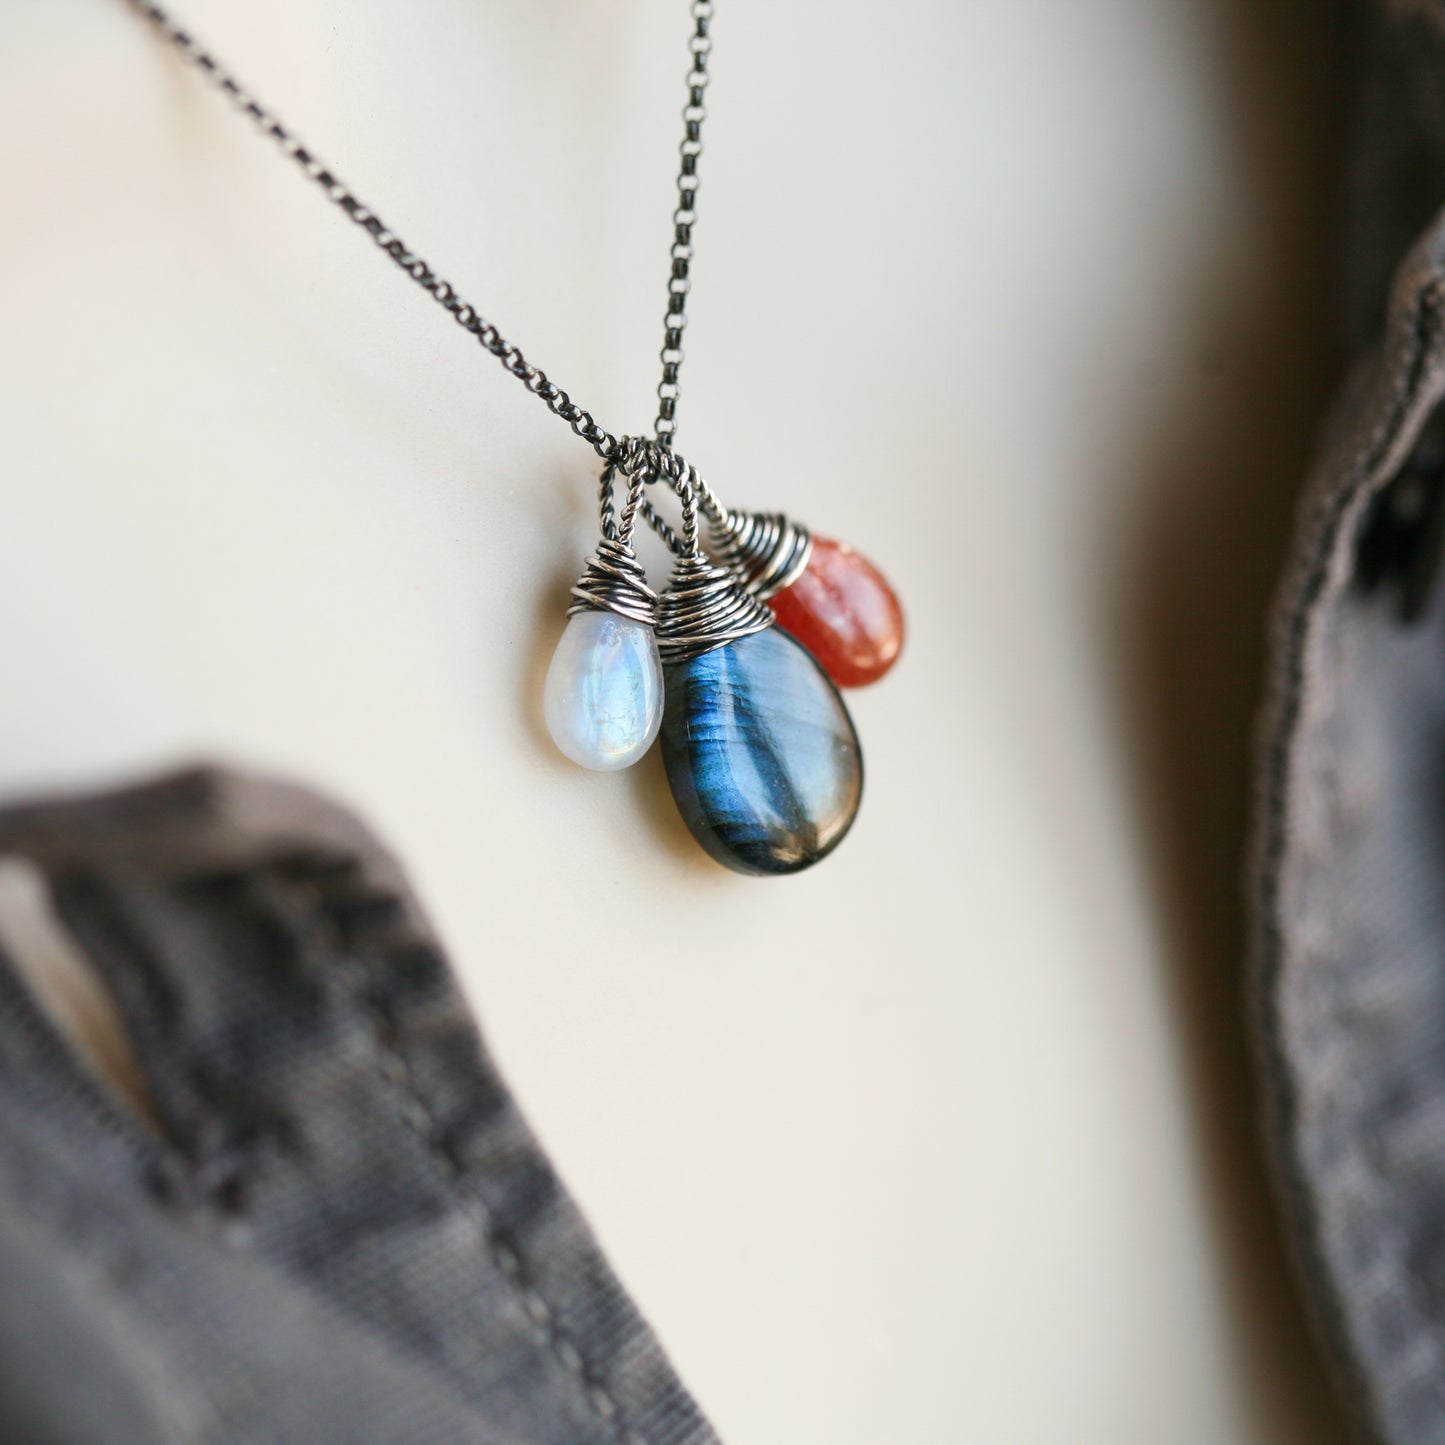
(343, 1230)
(1351, 874)
(1350, 864)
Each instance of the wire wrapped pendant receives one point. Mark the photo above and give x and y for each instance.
(831, 598)
(768, 550)
(704, 607)
(603, 695)
(761, 754)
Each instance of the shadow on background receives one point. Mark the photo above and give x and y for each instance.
(1223, 480)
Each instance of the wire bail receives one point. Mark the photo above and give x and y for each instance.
(705, 604)
(767, 549)
(612, 579)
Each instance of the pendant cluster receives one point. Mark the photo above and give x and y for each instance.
(736, 665)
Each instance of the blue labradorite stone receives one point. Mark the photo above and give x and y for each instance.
(761, 754)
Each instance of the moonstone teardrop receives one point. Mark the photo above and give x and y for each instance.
(603, 696)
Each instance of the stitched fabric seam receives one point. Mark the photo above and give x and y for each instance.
(395, 1070)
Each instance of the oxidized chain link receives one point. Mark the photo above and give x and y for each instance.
(603, 442)
(683, 220)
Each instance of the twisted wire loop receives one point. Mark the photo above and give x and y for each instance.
(705, 605)
(612, 579)
(655, 456)
(767, 549)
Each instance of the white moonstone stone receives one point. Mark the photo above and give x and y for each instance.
(603, 698)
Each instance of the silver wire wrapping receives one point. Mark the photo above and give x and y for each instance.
(612, 579)
(768, 550)
(705, 604)
(704, 607)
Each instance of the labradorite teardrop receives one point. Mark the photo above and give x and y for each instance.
(761, 754)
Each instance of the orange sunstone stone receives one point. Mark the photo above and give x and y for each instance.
(845, 613)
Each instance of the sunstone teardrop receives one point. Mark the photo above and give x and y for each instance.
(603, 696)
(843, 611)
(761, 754)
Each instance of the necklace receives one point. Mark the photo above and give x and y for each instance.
(736, 663)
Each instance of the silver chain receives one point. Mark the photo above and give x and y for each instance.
(604, 443)
(683, 220)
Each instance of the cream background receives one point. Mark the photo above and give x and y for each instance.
(946, 1140)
